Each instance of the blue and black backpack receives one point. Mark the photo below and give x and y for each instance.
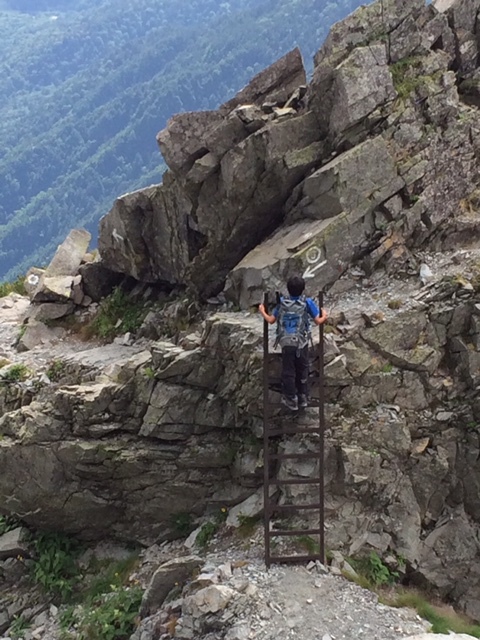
(293, 325)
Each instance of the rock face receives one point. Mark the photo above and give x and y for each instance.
(382, 103)
(230, 173)
(174, 438)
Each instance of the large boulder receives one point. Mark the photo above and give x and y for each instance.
(69, 254)
(231, 172)
(361, 84)
(462, 17)
(97, 280)
(340, 197)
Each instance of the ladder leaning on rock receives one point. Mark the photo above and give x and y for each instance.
(271, 435)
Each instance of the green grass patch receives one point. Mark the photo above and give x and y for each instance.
(206, 533)
(18, 628)
(109, 576)
(394, 304)
(16, 373)
(308, 544)
(55, 567)
(248, 524)
(55, 370)
(373, 570)
(111, 616)
(118, 314)
(405, 75)
(182, 523)
(7, 523)
(442, 619)
(16, 286)
(149, 373)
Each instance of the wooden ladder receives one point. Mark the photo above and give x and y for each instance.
(271, 435)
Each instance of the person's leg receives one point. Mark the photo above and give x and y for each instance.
(289, 356)
(301, 376)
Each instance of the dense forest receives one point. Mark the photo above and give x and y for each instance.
(84, 90)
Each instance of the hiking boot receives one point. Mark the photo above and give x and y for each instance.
(290, 403)
(302, 401)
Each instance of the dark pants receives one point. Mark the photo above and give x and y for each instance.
(294, 371)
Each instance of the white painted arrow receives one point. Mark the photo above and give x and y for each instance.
(310, 271)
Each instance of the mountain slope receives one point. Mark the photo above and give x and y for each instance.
(83, 93)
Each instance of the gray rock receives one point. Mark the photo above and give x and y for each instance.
(13, 544)
(37, 333)
(97, 280)
(49, 311)
(401, 342)
(69, 254)
(164, 579)
(362, 83)
(275, 84)
(54, 289)
(462, 18)
(211, 599)
(157, 248)
(249, 508)
(334, 196)
(240, 631)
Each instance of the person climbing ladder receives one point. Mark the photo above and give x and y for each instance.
(293, 314)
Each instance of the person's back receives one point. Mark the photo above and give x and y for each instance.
(293, 314)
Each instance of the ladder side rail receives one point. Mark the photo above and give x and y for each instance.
(321, 426)
(266, 444)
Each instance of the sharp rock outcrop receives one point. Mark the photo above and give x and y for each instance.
(352, 167)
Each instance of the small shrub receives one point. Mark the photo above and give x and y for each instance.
(405, 79)
(18, 627)
(247, 525)
(113, 576)
(7, 524)
(16, 286)
(309, 544)
(118, 314)
(181, 523)
(208, 530)
(221, 515)
(55, 567)
(149, 373)
(55, 370)
(112, 616)
(387, 368)
(374, 570)
(16, 373)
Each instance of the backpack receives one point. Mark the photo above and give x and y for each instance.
(293, 327)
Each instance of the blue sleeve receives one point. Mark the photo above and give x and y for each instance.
(312, 308)
(275, 312)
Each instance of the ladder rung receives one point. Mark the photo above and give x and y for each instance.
(294, 532)
(312, 404)
(295, 456)
(279, 559)
(292, 432)
(294, 507)
(295, 481)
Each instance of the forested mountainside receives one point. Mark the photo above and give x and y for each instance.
(85, 87)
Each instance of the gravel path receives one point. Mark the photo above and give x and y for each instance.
(293, 602)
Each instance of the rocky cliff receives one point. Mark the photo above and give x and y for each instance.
(356, 179)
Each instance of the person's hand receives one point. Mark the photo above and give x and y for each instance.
(261, 308)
